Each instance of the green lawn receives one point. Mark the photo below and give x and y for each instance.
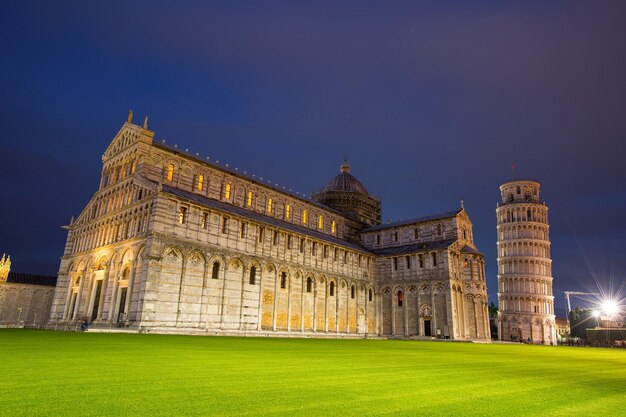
(89, 374)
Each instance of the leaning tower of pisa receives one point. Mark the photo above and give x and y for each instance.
(525, 301)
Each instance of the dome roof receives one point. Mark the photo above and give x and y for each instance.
(345, 182)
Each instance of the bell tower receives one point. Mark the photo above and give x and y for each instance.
(525, 300)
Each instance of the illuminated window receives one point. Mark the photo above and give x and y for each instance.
(333, 227)
(287, 212)
(304, 217)
(249, 199)
(170, 172)
(133, 166)
(320, 222)
(200, 182)
(182, 214)
(216, 270)
(269, 205)
(227, 192)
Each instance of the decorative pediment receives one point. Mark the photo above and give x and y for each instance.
(128, 135)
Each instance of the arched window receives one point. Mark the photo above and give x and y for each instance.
(352, 291)
(227, 192)
(126, 273)
(332, 288)
(170, 172)
(252, 275)
(309, 284)
(400, 298)
(269, 205)
(283, 280)
(287, 212)
(333, 227)
(304, 217)
(215, 273)
(320, 222)
(200, 183)
(370, 294)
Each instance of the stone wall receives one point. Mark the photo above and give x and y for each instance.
(25, 303)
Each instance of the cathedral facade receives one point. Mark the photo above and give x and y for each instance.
(174, 243)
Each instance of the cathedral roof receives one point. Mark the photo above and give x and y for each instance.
(20, 278)
(245, 175)
(469, 249)
(345, 182)
(261, 218)
(414, 247)
(414, 220)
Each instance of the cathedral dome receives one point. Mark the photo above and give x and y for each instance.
(345, 182)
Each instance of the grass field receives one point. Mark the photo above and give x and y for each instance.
(87, 374)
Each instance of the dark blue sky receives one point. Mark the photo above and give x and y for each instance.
(431, 101)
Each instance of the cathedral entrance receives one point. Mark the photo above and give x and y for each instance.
(361, 326)
(121, 316)
(96, 300)
(427, 331)
(516, 335)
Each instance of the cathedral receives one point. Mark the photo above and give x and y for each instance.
(175, 243)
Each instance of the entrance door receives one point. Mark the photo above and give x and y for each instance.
(516, 335)
(96, 301)
(427, 331)
(122, 311)
(361, 324)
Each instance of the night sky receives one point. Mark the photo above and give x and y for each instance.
(431, 102)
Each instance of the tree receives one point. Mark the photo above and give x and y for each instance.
(579, 321)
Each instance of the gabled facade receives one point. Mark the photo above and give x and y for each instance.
(172, 242)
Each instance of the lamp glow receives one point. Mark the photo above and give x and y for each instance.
(609, 307)
(596, 313)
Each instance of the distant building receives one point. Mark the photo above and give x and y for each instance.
(562, 331)
(171, 242)
(525, 300)
(25, 299)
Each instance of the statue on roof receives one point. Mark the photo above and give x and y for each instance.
(130, 116)
(5, 267)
